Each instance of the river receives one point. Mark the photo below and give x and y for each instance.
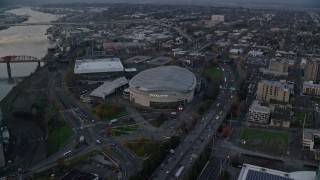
(23, 40)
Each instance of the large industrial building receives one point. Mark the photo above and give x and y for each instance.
(251, 172)
(163, 87)
(98, 69)
(105, 65)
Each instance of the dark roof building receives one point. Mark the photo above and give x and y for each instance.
(76, 174)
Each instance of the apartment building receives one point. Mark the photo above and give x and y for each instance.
(277, 90)
(310, 88)
(258, 114)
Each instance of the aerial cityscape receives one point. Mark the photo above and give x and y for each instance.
(160, 90)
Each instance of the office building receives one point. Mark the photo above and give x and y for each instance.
(217, 18)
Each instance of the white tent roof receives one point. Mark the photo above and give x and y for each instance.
(108, 87)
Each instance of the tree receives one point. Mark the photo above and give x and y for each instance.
(226, 132)
(34, 113)
(60, 163)
(242, 61)
(161, 118)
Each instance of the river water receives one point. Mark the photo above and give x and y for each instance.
(23, 40)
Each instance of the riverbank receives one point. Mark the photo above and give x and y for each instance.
(23, 40)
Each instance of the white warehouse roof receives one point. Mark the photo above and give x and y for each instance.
(109, 87)
(98, 66)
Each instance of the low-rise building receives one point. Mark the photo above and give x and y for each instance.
(258, 114)
(80, 175)
(235, 51)
(277, 67)
(193, 60)
(109, 87)
(254, 53)
(312, 70)
(311, 139)
(273, 104)
(310, 88)
(281, 118)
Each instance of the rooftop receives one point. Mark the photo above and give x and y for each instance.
(98, 65)
(256, 106)
(278, 84)
(164, 78)
(160, 61)
(308, 134)
(281, 114)
(137, 59)
(310, 84)
(274, 101)
(251, 172)
(109, 87)
(79, 175)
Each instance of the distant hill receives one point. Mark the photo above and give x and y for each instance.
(308, 3)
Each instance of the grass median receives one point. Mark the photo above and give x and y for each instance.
(58, 137)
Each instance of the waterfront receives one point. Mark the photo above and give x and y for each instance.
(23, 40)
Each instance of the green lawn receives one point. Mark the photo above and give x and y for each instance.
(302, 115)
(143, 147)
(216, 73)
(125, 129)
(58, 138)
(114, 116)
(156, 123)
(108, 112)
(54, 109)
(80, 159)
(265, 141)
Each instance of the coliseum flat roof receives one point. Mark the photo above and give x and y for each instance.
(164, 78)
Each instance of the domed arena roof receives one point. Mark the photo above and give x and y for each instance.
(164, 78)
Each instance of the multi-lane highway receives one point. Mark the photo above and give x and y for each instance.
(203, 132)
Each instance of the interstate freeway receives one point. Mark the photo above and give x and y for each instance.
(203, 132)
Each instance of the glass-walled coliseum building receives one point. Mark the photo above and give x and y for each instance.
(163, 87)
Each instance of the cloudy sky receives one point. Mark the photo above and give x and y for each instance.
(309, 3)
